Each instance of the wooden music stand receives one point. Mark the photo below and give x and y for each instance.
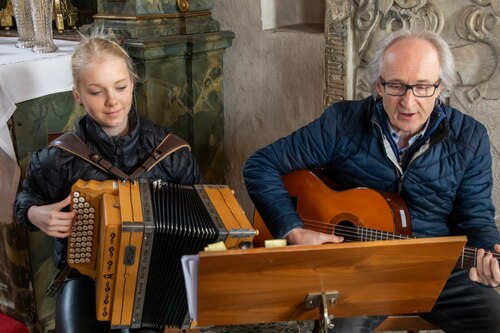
(310, 282)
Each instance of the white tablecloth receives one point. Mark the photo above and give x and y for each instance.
(25, 75)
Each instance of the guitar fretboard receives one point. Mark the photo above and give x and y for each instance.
(467, 259)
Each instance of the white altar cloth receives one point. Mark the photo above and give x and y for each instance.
(25, 75)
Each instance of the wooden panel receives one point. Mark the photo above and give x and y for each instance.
(373, 278)
(128, 258)
(109, 242)
(231, 213)
(89, 192)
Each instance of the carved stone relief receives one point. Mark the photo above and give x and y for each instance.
(471, 27)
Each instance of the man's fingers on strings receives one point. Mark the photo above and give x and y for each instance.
(476, 277)
(479, 260)
(473, 274)
(491, 271)
(486, 265)
(495, 272)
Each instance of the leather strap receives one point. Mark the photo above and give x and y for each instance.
(71, 143)
(170, 144)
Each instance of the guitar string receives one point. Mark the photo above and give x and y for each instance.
(374, 234)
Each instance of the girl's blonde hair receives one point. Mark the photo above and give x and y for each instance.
(94, 47)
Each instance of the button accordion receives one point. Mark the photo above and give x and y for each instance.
(130, 236)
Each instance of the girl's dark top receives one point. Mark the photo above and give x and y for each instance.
(52, 171)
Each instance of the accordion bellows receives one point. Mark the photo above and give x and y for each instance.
(129, 237)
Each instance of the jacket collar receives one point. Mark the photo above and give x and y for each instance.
(93, 133)
(438, 122)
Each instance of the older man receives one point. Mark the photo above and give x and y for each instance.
(403, 139)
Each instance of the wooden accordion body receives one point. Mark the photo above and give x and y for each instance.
(129, 237)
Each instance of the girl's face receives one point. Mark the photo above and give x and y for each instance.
(105, 90)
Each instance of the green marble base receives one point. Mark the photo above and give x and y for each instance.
(35, 119)
(150, 19)
(154, 28)
(32, 122)
(16, 289)
(152, 7)
(44, 272)
(182, 88)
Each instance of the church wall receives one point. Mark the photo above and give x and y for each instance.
(273, 83)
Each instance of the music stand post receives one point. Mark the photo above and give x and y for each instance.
(323, 301)
(262, 285)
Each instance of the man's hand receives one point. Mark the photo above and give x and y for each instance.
(51, 220)
(310, 237)
(486, 271)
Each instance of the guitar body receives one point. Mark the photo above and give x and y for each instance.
(323, 209)
(359, 214)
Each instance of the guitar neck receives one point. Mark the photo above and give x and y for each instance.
(467, 259)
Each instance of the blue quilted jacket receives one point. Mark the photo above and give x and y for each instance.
(445, 178)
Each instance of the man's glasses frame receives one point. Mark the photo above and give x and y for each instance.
(399, 89)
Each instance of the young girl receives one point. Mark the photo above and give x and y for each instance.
(103, 79)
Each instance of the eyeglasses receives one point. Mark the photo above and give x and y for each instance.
(399, 89)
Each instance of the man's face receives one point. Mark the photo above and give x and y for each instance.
(410, 61)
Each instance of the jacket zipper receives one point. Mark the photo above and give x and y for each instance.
(395, 161)
(389, 152)
(119, 153)
(401, 174)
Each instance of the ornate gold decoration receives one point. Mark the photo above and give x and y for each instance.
(6, 16)
(183, 5)
(64, 11)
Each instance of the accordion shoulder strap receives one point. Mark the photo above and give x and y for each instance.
(71, 143)
(170, 144)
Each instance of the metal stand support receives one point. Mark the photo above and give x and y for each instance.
(323, 301)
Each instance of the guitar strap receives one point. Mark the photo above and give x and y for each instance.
(71, 143)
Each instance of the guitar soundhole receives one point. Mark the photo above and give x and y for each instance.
(345, 225)
(348, 230)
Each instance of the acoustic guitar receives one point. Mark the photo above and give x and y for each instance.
(359, 215)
